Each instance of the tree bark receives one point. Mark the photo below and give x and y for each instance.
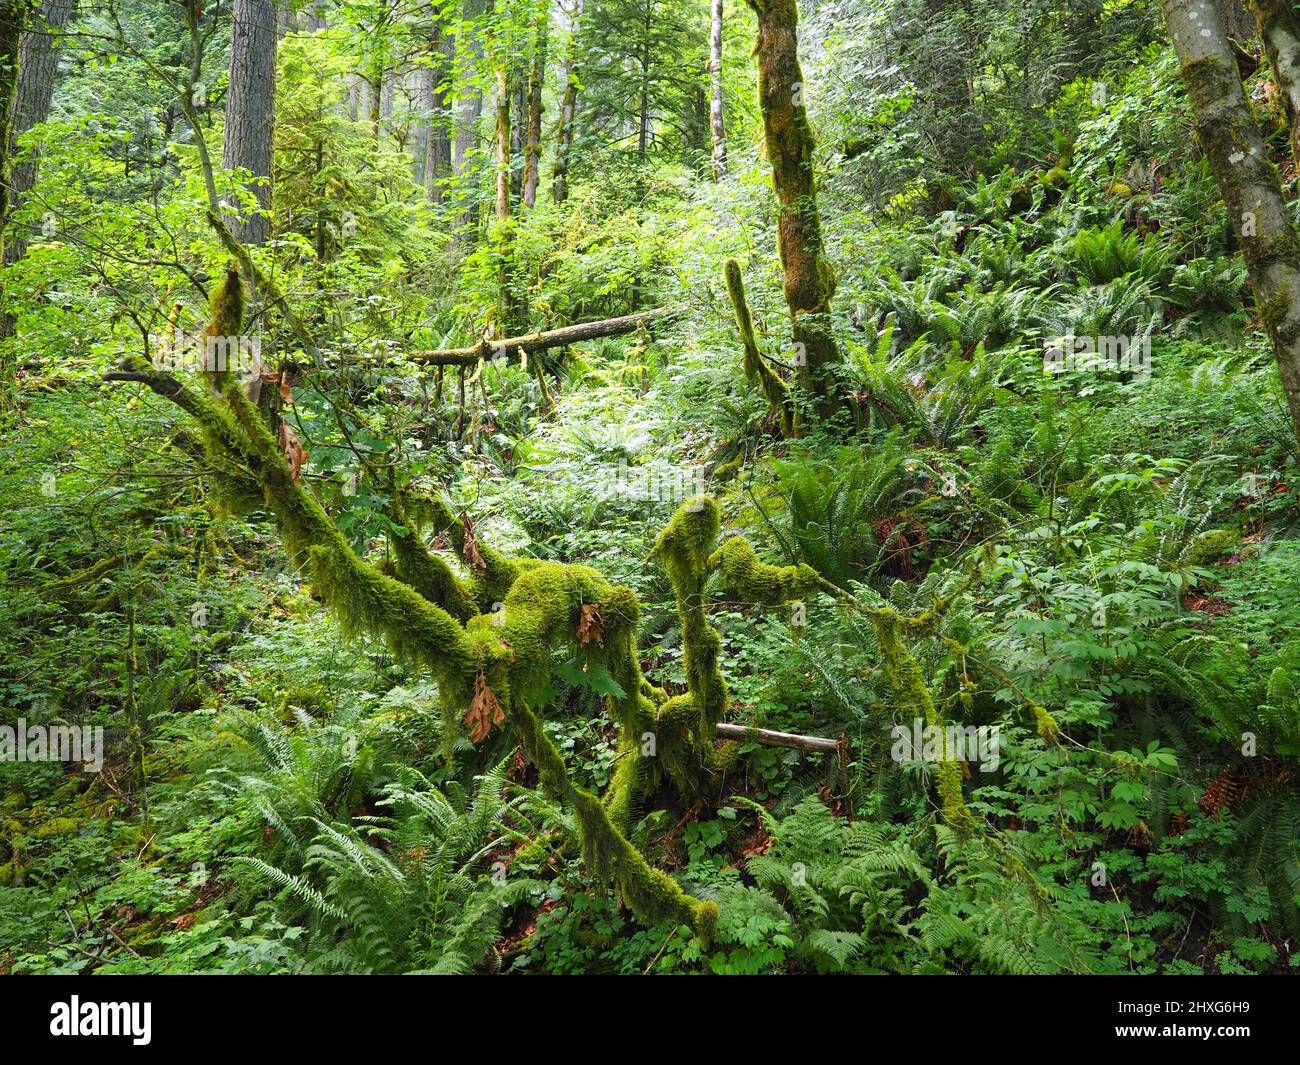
(469, 112)
(503, 140)
(568, 107)
(437, 145)
(533, 140)
(12, 16)
(715, 93)
(1246, 178)
(39, 65)
(1279, 29)
(809, 278)
(250, 109)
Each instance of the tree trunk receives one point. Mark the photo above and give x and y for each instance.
(518, 131)
(12, 14)
(503, 142)
(250, 109)
(715, 93)
(1237, 20)
(533, 142)
(1249, 183)
(39, 65)
(1279, 29)
(437, 144)
(469, 112)
(809, 278)
(568, 107)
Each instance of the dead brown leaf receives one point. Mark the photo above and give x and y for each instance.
(591, 625)
(470, 552)
(484, 711)
(294, 453)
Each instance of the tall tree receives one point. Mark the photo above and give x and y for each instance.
(250, 108)
(39, 65)
(568, 109)
(536, 84)
(437, 139)
(1247, 179)
(12, 15)
(715, 92)
(809, 277)
(1279, 29)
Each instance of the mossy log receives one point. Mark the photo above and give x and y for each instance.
(510, 347)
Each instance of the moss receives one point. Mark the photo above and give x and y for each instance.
(227, 306)
(1055, 178)
(651, 893)
(429, 624)
(421, 569)
(757, 369)
(757, 582)
(915, 701)
(57, 826)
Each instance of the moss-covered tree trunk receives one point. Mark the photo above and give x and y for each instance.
(1279, 29)
(809, 279)
(1247, 179)
(533, 139)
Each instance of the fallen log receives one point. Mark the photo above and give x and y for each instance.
(777, 739)
(533, 342)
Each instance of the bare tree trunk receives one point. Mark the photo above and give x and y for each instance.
(39, 66)
(1279, 29)
(1237, 20)
(250, 109)
(1249, 183)
(469, 112)
(715, 93)
(809, 278)
(437, 143)
(533, 142)
(12, 16)
(568, 107)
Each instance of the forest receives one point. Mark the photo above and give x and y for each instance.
(677, 487)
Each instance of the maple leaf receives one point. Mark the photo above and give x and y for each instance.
(294, 453)
(484, 711)
(591, 625)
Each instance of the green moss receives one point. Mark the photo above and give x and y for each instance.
(757, 582)
(757, 369)
(57, 826)
(651, 893)
(915, 701)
